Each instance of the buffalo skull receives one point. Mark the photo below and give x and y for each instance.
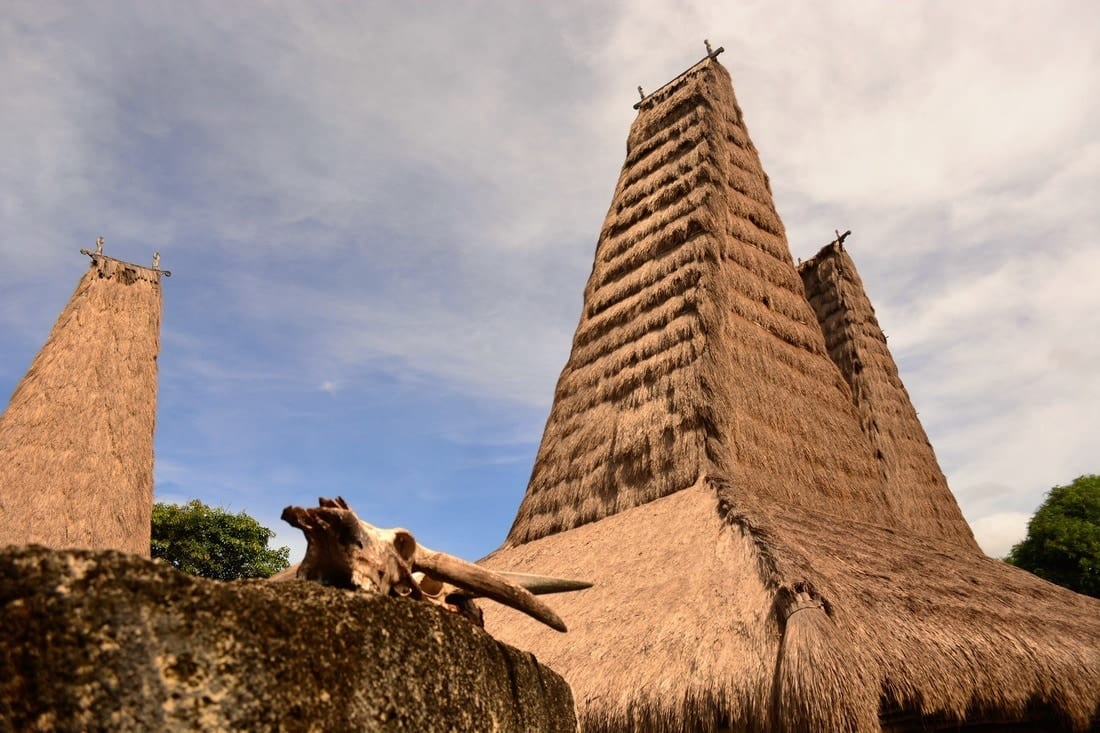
(344, 551)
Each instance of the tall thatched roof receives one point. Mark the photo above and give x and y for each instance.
(696, 347)
(857, 346)
(756, 565)
(76, 440)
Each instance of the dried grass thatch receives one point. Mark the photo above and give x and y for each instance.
(707, 614)
(76, 441)
(921, 500)
(705, 464)
(696, 347)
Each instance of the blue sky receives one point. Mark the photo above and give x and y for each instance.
(380, 218)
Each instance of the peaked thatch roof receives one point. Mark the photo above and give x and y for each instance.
(693, 282)
(76, 440)
(705, 465)
(857, 346)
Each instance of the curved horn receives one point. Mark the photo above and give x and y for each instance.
(540, 585)
(478, 580)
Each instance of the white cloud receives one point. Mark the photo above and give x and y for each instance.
(997, 533)
(339, 190)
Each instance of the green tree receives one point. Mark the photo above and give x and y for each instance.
(214, 543)
(1063, 538)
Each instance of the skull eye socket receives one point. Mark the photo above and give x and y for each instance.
(430, 586)
(404, 543)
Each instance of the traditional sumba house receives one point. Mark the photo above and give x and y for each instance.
(772, 543)
(76, 440)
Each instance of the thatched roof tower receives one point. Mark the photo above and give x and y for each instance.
(757, 566)
(696, 349)
(857, 346)
(76, 440)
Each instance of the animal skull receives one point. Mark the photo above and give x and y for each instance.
(344, 551)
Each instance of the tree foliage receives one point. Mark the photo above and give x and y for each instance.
(213, 543)
(1063, 538)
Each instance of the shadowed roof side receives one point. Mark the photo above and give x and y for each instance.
(76, 440)
(918, 489)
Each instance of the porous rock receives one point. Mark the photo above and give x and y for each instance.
(109, 641)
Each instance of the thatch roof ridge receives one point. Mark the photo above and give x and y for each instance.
(918, 490)
(76, 439)
(791, 436)
(109, 267)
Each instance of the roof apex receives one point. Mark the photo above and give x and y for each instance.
(712, 55)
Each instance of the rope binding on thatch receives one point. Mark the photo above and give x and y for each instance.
(98, 257)
(801, 601)
(711, 54)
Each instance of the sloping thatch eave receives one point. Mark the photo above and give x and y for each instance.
(709, 611)
(677, 631)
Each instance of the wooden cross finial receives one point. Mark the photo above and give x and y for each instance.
(706, 42)
(98, 249)
(156, 266)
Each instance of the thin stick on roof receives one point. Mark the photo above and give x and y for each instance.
(711, 54)
(98, 253)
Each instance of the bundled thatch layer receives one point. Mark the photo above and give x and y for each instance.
(76, 441)
(696, 346)
(708, 612)
(918, 490)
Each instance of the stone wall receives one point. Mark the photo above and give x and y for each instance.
(105, 640)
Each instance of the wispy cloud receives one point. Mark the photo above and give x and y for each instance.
(998, 532)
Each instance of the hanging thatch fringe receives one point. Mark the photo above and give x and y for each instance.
(817, 688)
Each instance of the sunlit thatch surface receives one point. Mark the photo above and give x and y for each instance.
(757, 565)
(76, 440)
(695, 623)
(918, 489)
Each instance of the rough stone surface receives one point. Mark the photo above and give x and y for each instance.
(109, 641)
